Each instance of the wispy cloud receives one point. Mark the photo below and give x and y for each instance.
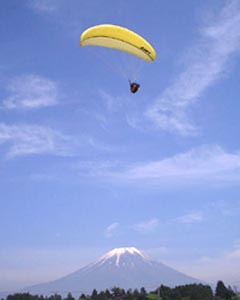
(112, 103)
(192, 217)
(100, 169)
(147, 226)
(205, 64)
(235, 253)
(111, 230)
(31, 92)
(208, 268)
(43, 6)
(226, 208)
(32, 139)
(154, 252)
(201, 164)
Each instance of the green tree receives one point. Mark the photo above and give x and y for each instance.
(82, 297)
(136, 294)
(223, 293)
(94, 295)
(103, 296)
(143, 291)
(118, 293)
(108, 294)
(129, 295)
(54, 297)
(69, 297)
(22, 296)
(166, 292)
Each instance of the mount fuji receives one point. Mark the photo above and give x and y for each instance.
(122, 267)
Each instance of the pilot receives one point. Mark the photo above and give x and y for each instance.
(134, 87)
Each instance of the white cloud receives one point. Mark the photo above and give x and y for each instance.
(112, 103)
(226, 208)
(202, 163)
(100, 169)
(32, 139)
(31, 92)
(44, 6)
(192, 217)
(205, 64)
(235, 254)
(147, 226)
(211, 269)
(111, 230)
(208, 163)
(155, 252)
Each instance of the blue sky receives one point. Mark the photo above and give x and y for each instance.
(86, 166)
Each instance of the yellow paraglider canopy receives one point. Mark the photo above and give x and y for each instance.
(120, 38)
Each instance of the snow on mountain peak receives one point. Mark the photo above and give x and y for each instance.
(118, 252)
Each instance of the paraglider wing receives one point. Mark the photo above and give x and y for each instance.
(120, 38)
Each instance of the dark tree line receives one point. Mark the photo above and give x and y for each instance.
(187, 292)
(183, 292)
(226, 293)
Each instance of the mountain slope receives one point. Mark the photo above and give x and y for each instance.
(122, 267)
